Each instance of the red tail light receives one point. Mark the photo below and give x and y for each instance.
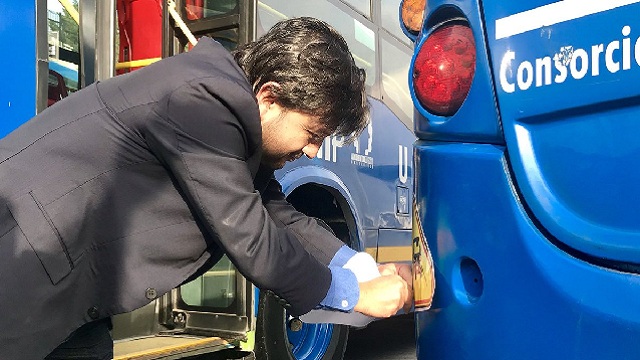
(444, 69)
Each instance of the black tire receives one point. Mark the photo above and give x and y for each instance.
(272, 342)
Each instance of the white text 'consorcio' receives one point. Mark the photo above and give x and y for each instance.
(576, 63)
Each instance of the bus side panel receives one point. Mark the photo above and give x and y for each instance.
(18, 89)
(376, 171)
(503, 291)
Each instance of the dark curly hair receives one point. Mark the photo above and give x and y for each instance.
(315, 70)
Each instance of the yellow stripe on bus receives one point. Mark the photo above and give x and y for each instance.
(394, 253)
(372, 251)
(68, 5)
(136, 63)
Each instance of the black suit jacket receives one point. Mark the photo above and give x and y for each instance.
(129, 187)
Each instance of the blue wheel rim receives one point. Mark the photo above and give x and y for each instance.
(311, 342)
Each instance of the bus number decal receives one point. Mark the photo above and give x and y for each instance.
(328, 149)
(403, 166)
(363, 159)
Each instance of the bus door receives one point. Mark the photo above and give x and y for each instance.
(76, 46)
(216, 310)
(220, 302)
(230, 22)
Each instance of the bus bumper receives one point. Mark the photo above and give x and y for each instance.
(503, 289)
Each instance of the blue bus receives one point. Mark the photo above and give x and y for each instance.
(526, 176)
(361, 190)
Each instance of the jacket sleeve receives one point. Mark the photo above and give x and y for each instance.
(343, 292)
(200, 136)
(318, 241)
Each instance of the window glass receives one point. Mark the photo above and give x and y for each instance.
(216, 288)
(227, 38)
(395, 87)
(391, 19)
(53, 79)
(363, 6)
(199, 9)
(64, 56)
(359, 37)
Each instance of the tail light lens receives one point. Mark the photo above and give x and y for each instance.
(444, 68)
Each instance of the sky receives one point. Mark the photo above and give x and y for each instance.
(54, 5)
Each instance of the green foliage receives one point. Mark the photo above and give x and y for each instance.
(67, 29)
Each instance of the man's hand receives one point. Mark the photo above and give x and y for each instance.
(383, 296)
(404, 271)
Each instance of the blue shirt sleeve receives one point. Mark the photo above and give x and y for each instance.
(341, 256)
(344, 292)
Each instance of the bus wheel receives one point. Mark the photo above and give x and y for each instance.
(278, 338)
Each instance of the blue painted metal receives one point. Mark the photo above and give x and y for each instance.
(310, 342)
(18, 90)
(536, 301)
(575, 158)
(394, 237)
(535, 236)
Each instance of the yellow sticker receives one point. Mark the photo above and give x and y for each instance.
(424, 282)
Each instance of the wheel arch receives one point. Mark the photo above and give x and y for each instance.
(332, 201)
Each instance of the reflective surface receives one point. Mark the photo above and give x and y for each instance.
(363, 6)
(389, 11)
(374, 48)
(216, 288)
(395, 91)
(575, 158)
(359, 37)
(200, 9)
(64, 56)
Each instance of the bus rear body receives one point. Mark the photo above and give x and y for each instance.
(526, 189)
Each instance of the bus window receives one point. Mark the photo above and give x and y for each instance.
(363, 6)
(359, 37)
(57, 90)
(216, 19)
(395, 59)
(64, 57)
(68, 71)
(228, 38)
(389, 17)
(200, 9)
(215, 289)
